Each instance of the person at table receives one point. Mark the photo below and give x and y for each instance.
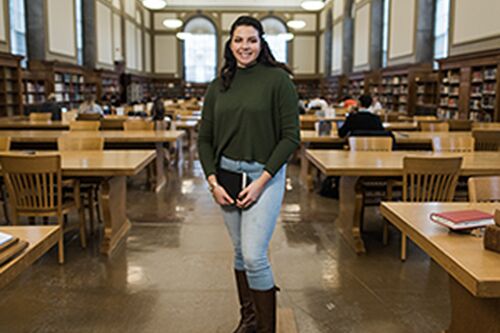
(89, 106)
(375, 106)
(348, 102)
(158, 113)
(250, 124)
(362, 120)
(51, 106)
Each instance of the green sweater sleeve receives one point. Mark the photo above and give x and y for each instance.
(287, 108)
(206, 148)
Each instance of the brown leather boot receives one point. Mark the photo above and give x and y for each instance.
(248, 321)
(265, 306)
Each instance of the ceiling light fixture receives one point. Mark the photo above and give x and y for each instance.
(312, 5)
(296, 24)
(287, 36)
(182, 35)
(172, 23)
(154, 4)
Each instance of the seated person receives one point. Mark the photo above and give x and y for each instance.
(51, 106)
(376, 106)
(348, 102)
(362, 120)
(318, 103)
(89, 106)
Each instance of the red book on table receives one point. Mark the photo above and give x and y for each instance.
(463, 219)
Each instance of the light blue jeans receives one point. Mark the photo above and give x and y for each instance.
(251, 229)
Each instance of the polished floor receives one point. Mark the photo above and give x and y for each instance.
(174, 273)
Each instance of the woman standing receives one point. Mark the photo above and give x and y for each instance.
(250, 125)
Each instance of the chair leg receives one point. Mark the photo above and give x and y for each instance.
(83, 231)
(90, 201)
(98, 204)
(60, 222)
(385, 233)
(403, 246)
(5, 205)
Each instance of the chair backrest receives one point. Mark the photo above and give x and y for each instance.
(33, 181)
(434, 126)
(4, 143)
(484, 189)
(424, 118)
(453, 144)
(40, 116)
(488, 140)
(138, 125)
(73, 142)
(89, 116)
(392, 116)
(430, 178)
(112, 124)
(86, 125)
(460, 124)
(370, 143)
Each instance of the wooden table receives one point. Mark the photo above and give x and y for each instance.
(351, 166)
(190, 127)
(127, 139)
(426, 137)
(307, 121)
(400, 126)
(113, 166)
(40, 239)
(474, 272)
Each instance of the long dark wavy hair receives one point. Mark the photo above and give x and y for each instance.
(266, 57)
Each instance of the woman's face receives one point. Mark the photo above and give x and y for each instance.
(245, 45)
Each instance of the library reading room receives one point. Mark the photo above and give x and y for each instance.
(350, 185)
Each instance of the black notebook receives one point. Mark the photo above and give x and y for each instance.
(232, 182)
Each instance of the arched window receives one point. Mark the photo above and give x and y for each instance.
(17, 28)
(441, 27)
(277, 37)
(200, 54)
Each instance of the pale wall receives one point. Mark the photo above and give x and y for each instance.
(402, 27)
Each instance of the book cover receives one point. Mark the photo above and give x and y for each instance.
(232, 182)
(463, 219)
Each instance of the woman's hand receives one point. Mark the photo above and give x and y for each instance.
(221, 197)
(218, 192)
(252, 192)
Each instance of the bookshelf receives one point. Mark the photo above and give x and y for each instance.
(34, 88)
(356, 85)
(136, 87)
(333, 88)
(67, 81)
(426, 92)
(10, 85)
(308, 88)
(469, 86)
(167, 88)
(398, 88)
(195, 89)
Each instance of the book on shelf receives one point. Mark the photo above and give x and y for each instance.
(463, 219)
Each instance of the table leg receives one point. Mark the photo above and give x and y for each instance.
(305, 168)
(472, 314)
(159, 168)
(116, 224)
(349, 219)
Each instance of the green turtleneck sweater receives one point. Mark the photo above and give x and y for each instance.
(256, 119)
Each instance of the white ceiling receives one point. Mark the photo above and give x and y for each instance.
(235, 3)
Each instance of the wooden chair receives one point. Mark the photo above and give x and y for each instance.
(487, 140)
(462, 144)
(35, 187)
(484, 189)
(424, 118)
(73, 142)
(89, 186)
(370, 143)
(86, 125)
(428, 179)
(39, 116)
(372, 187)
(460, 124)
(434, 126)
(138, 125)
(112, 124)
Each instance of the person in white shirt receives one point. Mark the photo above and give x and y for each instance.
(89, 106)
(318, 104)
(376, 106)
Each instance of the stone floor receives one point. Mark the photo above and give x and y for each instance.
(174, 273)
